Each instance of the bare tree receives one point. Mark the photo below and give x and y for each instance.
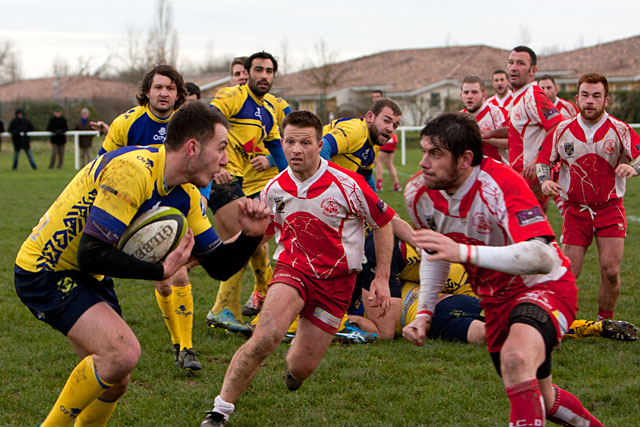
(9, 62)
(419, 108)
(525, 35)
(60, 67)
(324, 75)
(162, 45)
(283, 61)
(132, 56)
(85, 66)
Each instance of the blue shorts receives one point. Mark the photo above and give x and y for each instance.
(223, 194)
(59, 298)
(452, 317)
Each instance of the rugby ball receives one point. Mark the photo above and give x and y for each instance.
(154, 234)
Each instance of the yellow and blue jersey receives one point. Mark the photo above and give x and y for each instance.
(103, 199)
(137, 126)
(279, 106)
(347, 143)
(253, 132)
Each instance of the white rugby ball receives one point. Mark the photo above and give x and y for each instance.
(153, 235)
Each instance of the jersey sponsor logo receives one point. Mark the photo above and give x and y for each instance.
(609, 146)
(549, 113)
(279, 203)
(162, 134)
(530, 216)
(330, 207)
(568, 148)
(382, 206)
(481, 223)
(148, 163)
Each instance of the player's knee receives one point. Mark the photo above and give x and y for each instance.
(122, 359)
(512, 361)
(163, 288)
(611, 274)
(116, 390)
(476, 333)
(301, 369)
(262, 345)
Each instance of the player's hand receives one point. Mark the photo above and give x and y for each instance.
(625, 171)
(179, 256)
(379, 295)
(416, 331)
(100, 126)
(529, 172)
(222, 177)
(550, 188)
(439, 246)
(253, 217)
(260, 163)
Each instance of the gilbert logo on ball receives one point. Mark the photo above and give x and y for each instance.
(154, 234)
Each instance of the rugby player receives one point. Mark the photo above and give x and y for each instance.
(597, 154)
(63, 269)
(480, 213)
(504, 95)
(317, 213)
(548, 84)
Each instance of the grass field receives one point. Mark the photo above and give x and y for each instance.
(385, 383)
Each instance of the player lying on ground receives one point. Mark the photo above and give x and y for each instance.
(61, 269)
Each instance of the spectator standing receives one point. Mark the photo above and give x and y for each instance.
(57, 126)
(85, 141)
(18, 129)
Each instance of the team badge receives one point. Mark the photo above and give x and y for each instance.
(609, 147)
(568, 149)
(481, 223)
(330, 207)
(431, 223)
(279, 204)
(530, 216)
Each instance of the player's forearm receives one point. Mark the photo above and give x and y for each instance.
(99, 257)
(543, 172)
(230, 257)
(433, 275)
(383, 241)
(498, 142)
(402, 230)
(530, 257)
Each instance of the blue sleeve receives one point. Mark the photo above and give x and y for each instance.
(326, 151)
(206, 191)
(277, 154)
(370, 181)
(102, 151)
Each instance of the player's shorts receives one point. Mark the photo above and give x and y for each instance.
(325, 300)
(453, 316)
(390, 147)
(223, 194)
(558, 298)
(580, 222)
(59, 298)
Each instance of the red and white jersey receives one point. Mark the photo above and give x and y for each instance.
(502, 102)
(319, 222)
(566, 108)
(493, 207)
(588, 157)
(491, 117)
(532, 115)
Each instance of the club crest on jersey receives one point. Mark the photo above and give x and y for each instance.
(481, 223)
(530, 216)
(431, 223)
(279, 204)
(568, 149)
(330, 207)
(609, 146)
(162, 133)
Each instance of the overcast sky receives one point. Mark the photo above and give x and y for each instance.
(43, 30)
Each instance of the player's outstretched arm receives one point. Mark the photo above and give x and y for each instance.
(379, 293)
(416, 331)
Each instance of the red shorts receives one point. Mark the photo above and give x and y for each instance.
(581, 223)
(325, 300)
(558, 298)
(390, 147)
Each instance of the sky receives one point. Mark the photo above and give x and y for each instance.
(42, 31)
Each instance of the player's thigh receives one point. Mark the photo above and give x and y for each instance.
(281, 306)
(610, 251)
(576, 256)
(308, 347)
(100, 330)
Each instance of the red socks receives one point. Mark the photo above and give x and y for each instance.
(568, 411)
(527, 405)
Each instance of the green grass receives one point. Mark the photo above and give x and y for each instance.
(386, 383)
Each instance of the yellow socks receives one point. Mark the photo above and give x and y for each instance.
(81, 389)
(585, 328)
(166, 307)
(262, 270)
(182, 299)
(96, 414)
(229, 295)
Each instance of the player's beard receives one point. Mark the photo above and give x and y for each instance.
(449, 181)
(253, 85)
(474, 110)
(374, 135)
(593, 116)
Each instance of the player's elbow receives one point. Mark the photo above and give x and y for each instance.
(538, 258)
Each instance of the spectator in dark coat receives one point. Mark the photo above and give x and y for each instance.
(18, 129)
(84, 141)
(58, 126)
